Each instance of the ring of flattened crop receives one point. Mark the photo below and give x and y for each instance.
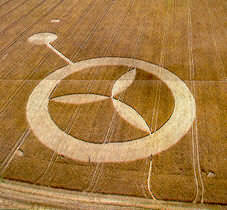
(54, 138)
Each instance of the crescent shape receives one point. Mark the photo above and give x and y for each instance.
(79, 98)
(53, 137)
(130, 115)
(123, 82)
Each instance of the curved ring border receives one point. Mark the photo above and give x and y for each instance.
(50, 135)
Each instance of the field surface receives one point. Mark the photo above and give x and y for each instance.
(124, 97)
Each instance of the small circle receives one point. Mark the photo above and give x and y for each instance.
(211, 174)
(19, 153)
(55, 21)
(42, 38)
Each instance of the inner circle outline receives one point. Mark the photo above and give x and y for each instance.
(170, 133)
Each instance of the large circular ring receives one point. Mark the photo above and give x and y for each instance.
(56, 139)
